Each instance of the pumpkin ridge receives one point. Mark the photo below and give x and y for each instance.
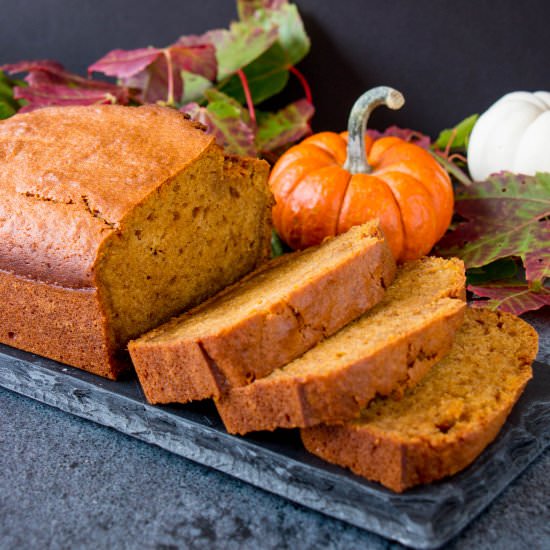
(338, 153)
(323, 202)
(410, 234)
(439, 186)
(337, 230)
(387, 213)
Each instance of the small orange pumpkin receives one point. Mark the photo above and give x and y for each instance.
(324, 185)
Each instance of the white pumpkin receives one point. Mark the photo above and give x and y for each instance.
(513, 135)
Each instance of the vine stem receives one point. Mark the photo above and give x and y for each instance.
(247, 95)
(356, 161)
(303, 82)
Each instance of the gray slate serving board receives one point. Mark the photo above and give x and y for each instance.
(425, 517)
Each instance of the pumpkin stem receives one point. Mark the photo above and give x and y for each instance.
(356, 161)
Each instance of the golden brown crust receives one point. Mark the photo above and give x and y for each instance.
(340, 394)
(208, 364)
(65, 324)
(69, 175)
(400, 459)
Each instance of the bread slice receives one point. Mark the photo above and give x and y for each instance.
(386, 350)
(444, 423)
(266, 320)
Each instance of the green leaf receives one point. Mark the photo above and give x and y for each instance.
(458, 136)
(6, 110)
(515, 297)
(6, 91)
(237, 47)
(278, 247)
(10, 105)
(288, 125)
(194, 86)
(506, 215)
(505, 268)
(291, 33)
(267, 76)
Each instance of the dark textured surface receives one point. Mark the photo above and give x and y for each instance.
(277, 462)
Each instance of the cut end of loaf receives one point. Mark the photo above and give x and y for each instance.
(187, 240)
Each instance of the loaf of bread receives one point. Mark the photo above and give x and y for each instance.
(112, 220)
(388, 349)
(444, 423)
(265, 320)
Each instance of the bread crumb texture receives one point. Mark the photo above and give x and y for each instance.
(441, 425)
(266, 319)
(386, 350)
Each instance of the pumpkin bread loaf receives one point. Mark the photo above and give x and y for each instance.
(444, 423)
(112, 220)
(388, 349)
(264, 321)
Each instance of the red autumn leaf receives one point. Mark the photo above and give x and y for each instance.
(51, 72)
(45, 65)
(405, 134)
(48, 95)
(125, 63)
(514, 297)
(196, 54)
(157, 72)
(50, 84)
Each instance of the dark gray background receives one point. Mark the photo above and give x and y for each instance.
(449, 58)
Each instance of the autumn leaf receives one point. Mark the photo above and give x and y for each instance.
(125, 63)
(514, 297)
(6, 110)
(227, 120)
(505, 268)
(456, 139)
(268, 74)
(286, 126)
(412, 136)
(157, 72)
(194, 86)
(61, 96)
(47, 72)
(247, 8)
(48, 83)
(506, 215)
(237, 47)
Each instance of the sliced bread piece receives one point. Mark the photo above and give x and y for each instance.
(444, 423)
(386, 350)
(269, 318)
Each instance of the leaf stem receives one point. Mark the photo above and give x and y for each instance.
(247, 95)
(303, 82)
(170, 98)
